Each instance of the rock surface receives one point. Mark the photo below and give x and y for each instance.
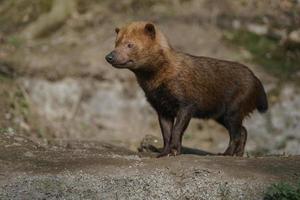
(91, 170)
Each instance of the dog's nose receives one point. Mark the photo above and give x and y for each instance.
(110, 57)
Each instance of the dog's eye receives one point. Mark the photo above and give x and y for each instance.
(130, 45)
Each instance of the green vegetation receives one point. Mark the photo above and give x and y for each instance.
(283, 191)
(280, 60)
(6, 130)
(19, 103)
(15, 41)
(187, 136)
(3, 77)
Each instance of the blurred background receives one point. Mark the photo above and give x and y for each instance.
(56, 85)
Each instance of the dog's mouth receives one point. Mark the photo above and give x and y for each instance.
(125, 64)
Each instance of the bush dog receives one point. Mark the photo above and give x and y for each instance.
(180, 86)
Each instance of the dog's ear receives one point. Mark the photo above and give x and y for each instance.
(150, 30)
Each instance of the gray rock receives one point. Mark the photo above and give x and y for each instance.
(93, 170)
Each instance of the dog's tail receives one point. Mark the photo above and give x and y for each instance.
(261, 99)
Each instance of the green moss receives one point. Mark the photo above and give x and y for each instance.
(6, 130)
(280, 60)
(283, 191)
(15, 41)
(187, 137)
(3, 78)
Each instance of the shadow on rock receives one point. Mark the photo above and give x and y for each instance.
(151, 144)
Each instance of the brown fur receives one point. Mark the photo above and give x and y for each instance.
(181, 86)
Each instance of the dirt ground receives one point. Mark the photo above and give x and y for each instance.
(93, 170)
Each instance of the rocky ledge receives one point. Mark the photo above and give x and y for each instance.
(94, 170)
